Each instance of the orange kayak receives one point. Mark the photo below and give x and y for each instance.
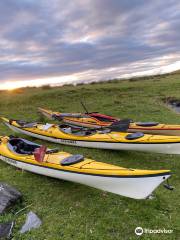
(98, 120)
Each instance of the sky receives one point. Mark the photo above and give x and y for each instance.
(64, 41)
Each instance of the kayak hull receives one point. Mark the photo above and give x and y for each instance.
(167, 148)
(133, 187)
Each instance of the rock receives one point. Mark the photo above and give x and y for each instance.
(8, 196)
(32, 221)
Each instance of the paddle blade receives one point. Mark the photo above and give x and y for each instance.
(120, 126)
(39, 153)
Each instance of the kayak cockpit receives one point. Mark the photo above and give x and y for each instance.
(78, 131)
(25, 147)
(22, 146)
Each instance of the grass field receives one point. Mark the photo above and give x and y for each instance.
(73, 211)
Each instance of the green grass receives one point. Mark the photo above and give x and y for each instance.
(73, 211)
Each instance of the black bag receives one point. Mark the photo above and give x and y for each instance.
(8, 196)
(6, 230)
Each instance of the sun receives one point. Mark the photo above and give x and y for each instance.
(10, 86)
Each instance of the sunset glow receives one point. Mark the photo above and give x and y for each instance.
(82, 41)
(73, 79)
(11, 85)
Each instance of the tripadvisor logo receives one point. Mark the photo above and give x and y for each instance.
(139, 231)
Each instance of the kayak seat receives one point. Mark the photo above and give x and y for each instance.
(135, 135)
(72, 160)
(22, 146)
(147, 124)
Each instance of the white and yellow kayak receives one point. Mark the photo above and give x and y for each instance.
(133, 183)
(98, 120)
(104, 139)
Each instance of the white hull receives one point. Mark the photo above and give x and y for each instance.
(168, 148)
(133, 187)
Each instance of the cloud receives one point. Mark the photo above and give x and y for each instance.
(94, 39)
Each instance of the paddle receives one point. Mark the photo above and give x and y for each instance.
(85, 108)
(83, 105)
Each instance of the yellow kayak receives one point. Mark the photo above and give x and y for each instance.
(133, 183)
(97, 120)
(104, 139)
